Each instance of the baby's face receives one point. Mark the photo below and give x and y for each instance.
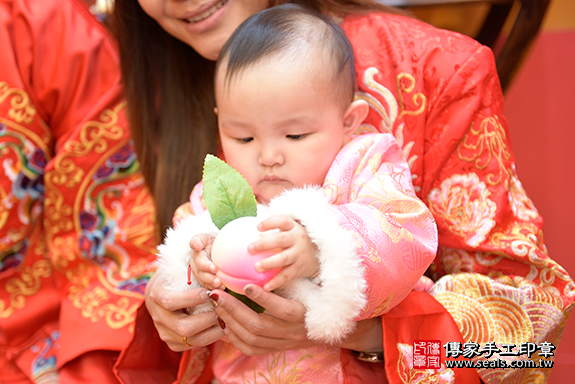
(280, 125)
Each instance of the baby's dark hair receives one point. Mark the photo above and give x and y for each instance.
(295, 32)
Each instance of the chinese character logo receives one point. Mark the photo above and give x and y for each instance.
(427, 354)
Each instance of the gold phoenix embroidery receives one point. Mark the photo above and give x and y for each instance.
(406, 84)
(389, 113)
(488, 144)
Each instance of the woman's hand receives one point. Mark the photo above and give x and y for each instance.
(282, 326)
(167, 309)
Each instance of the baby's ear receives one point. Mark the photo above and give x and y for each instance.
(354, 116)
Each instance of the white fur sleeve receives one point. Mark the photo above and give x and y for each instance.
(173, 257)
(337, 296)
(174, 253)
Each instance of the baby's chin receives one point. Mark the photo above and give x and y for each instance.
(263, 200)
(264, 197)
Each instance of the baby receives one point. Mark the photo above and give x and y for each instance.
(352, 237)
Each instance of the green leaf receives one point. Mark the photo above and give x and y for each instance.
(246, 300)
(227, 194)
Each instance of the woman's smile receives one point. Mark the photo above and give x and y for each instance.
(205, 12)
(204, 25)
(206, 18)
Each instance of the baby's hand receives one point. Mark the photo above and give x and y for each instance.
(201, 264)
(297, 255)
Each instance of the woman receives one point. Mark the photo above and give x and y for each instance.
(439, 94)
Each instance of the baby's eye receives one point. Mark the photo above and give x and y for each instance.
(296, 137)
(245, 139)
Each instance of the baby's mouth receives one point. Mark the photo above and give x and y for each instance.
(207, 13)
(272, 179)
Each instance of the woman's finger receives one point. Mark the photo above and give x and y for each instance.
(282, 308)
(172, 300)
(199, 329)
(203, 338)
(289, 325)
(259, 336)
(248, 349)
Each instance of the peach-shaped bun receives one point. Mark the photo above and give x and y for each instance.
(230, 254)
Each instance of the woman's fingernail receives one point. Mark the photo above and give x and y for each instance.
(213, 299)
(222, 324)
(248, 290)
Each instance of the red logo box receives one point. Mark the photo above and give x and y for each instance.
(427, 354)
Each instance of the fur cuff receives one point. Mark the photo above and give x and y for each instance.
(174, 253)
(173, 257)
(338, 297)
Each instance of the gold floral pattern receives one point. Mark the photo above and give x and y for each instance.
(521, 204)
(27, 284)
(455, 260)
(519, 376)
(22, 110)
(96, 303)
(93, 138)
(93, 284)
(277, 370)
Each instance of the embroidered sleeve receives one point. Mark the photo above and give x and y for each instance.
(395, 234)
